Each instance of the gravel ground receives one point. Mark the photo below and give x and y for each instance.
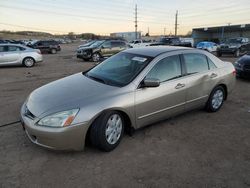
(196, 149)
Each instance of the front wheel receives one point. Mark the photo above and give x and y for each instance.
(96, 57)
(107, 130)
(216, 99)
(28, 62)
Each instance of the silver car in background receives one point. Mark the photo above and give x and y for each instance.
(14, 54)
(129, 90)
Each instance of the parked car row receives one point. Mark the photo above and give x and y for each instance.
(13, 53)
(235, 46)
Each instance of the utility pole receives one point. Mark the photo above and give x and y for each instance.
(136, 21)
(148, 31)
(176, 23)
(164, 31)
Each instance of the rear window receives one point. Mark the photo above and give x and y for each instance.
(195, 63)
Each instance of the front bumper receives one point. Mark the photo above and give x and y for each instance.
(65, 138)
(227, 50)
(84, 55)
(39, 59)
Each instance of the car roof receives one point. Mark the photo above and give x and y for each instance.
(10, 44)
(154, 51)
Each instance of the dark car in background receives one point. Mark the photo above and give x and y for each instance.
(236, 46)
(242, 66)
(101, 49)
(46, 46)
(171, 41)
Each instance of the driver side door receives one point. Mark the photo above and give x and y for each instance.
(158, 103)
(106, 49)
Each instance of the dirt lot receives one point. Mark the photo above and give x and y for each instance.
(196, 149)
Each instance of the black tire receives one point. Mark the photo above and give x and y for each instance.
(85, 59)
(53, 51)
(98, 131)
(219, 54)
(28, 62)
(210, 106)
(237, 53)
(96, 57)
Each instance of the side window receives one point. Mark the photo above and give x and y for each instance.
(195, 63)
(39, 44)
(3, 48)
(115, 44)
(106, 44)
(166, 69)
(13, 48)
(211, 64)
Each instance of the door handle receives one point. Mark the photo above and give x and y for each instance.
(213, 75)
(179, 85)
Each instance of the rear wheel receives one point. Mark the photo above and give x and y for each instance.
(216, 99)
(237, 53)
(107, 130)
(53, 51)
(28, 62)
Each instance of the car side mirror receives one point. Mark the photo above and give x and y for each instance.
(150, 82)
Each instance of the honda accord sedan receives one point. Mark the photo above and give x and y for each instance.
(127, 91)
(15, 54)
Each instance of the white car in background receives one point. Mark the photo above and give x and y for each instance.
(14, 54)
(138, 44)
(208, 46)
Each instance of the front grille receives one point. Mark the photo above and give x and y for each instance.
(224, 47)
(28, 114)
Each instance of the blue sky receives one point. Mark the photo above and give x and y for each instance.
(106, 16)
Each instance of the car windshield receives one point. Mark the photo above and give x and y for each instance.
(234, 40)
(120, 69)
(204, 44)
(97, 43)
(167, 40)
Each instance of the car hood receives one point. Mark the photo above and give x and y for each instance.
(68, 93)
(85, 48)
(231, 44)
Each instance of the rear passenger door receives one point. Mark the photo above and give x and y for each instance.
(201, 74)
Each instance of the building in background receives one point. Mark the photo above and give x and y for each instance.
(128, 36)
(219, 34)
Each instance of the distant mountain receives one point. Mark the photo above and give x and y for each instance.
(29, 33)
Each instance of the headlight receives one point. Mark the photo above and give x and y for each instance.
(60, 119)
(232, 46)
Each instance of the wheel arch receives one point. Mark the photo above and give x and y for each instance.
(128, 121)
(225, 89)
(28, 57)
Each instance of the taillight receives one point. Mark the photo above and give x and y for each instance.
(234, 72)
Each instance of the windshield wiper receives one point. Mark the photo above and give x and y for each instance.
(96, 78)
